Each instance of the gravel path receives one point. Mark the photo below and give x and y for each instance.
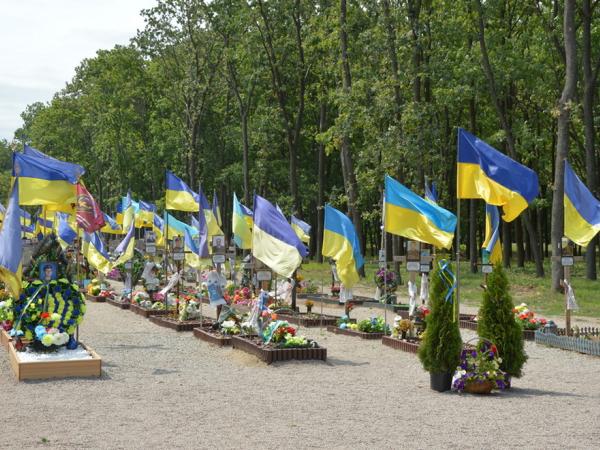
(162, 389)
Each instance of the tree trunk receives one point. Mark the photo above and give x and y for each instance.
(346, 157)
(562, 140)
(506, 244)
(589, 90)
(321, 170)
(519, 243)
(245, 154)
(393, 55)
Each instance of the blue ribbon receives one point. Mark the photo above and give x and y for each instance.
(447, 277)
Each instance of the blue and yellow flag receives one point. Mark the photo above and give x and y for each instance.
(341, 243)
(192, 257)
(126, 247)
(274, 241)
(212, 224)
(491, 244)
(94, 251)
(76, 170)
(11, 246)
(582, 209)
(216, 210)
(128, 212)
(406, 214)
(484, 172)
(144, 215)
(44, 181)
(431, 193)
(301, 228)
(158, 226)
(174, 227)
(241, 224)
(178, 195)
(65, 229)
(111, 226)
(199, 224)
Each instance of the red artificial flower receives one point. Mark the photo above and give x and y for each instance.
(493, 348)
(531, 320)
(45, 315)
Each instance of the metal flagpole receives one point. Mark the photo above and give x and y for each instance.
(199, 271)
(384, 248)
(166, 256)
(457, 238)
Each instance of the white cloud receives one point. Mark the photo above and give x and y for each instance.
(42, 41)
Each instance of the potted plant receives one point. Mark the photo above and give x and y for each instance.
(479, 370)
(441, 343)
(497, 323)
(309, 305)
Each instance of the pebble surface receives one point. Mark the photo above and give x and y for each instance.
(163, 389)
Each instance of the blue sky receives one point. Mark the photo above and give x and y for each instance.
(42, 41)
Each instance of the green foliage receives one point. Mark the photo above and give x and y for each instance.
(373, 325)
(441, 346)
(497, 323)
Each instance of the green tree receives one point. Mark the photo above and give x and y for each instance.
(497, 323)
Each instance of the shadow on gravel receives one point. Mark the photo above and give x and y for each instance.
(531, 392)
(164, 371)
(137, 347)
(345, 362)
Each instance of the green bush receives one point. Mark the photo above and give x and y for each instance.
(497, 323)
(441, 345)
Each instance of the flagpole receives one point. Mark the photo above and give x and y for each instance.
(166, 256)
(199, 271)
(384, 247)
(457, 236)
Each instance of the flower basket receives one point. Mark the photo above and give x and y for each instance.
(479, 387)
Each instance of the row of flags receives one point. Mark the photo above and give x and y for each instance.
(482, 172)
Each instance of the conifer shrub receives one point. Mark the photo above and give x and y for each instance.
(497, 323)
(442, 344)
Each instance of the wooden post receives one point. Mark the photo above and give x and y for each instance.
(567, 270)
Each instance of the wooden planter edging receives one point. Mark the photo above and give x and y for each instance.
(528, 335)
(308, 322)
(118, 303)
(399, 344)
(568, 343)
(4, 338)
(360, 334)
(40, 370)
(95, 298)
(271, 355)
(147, 312)
(176, 324)
(212, 338)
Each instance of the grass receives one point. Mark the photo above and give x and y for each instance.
(525, 287)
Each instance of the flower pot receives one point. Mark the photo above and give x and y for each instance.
(479, 387)
(440, 381)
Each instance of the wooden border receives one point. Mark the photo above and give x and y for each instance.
(528, 335)
(41, 370)
(360, 334)
(271, 355)
(302, 321)
(570, 343)
(176, 324)
(147, 312)
(219, 340)
(399, 344)
(95, 298)
(4, 338)
(118, 303)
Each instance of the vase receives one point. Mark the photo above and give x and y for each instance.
(308, 309)
(72, 344)
(403, 334)
(479, 387)
(440, 381)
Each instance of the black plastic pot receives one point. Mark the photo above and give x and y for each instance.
(440, 381)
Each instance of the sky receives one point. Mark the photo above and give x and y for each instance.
(42, 41)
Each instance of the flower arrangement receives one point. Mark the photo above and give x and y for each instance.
(157, 306)
(189, 309)
(94, 287)
(139, 296)
(309, 305)
(479, 369)
(526, 318)
(386, 279)
(421, 312)
(280, 334)
(49, 339)
(242, 296)
(401, 327)
(6, 314)
(59, 305)
(230, 327)
(374, 325)
(310, 287)
(114, 274)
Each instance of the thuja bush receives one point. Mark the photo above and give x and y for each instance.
(441, 345)
(497, 323)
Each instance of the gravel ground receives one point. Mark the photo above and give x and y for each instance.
(162, 389)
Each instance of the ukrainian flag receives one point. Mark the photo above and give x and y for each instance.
(128, 212)
(65, 231)
(406, 214)
(177, 227)
(215, 209)
(111, 226)
(491, 244)
(95, 252)
(431, 194)
(179, 196)
(44, 181)
(301, 228)
(484, 172)
(76, 170)
(192, 258)
(212, 222)
(582, 209)
(241, 224)
(45, 222)
(145, 214)
(11, 246)
(274, 241)
(126, 247)
(158, 226)
(341, 243)
(199, 224)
